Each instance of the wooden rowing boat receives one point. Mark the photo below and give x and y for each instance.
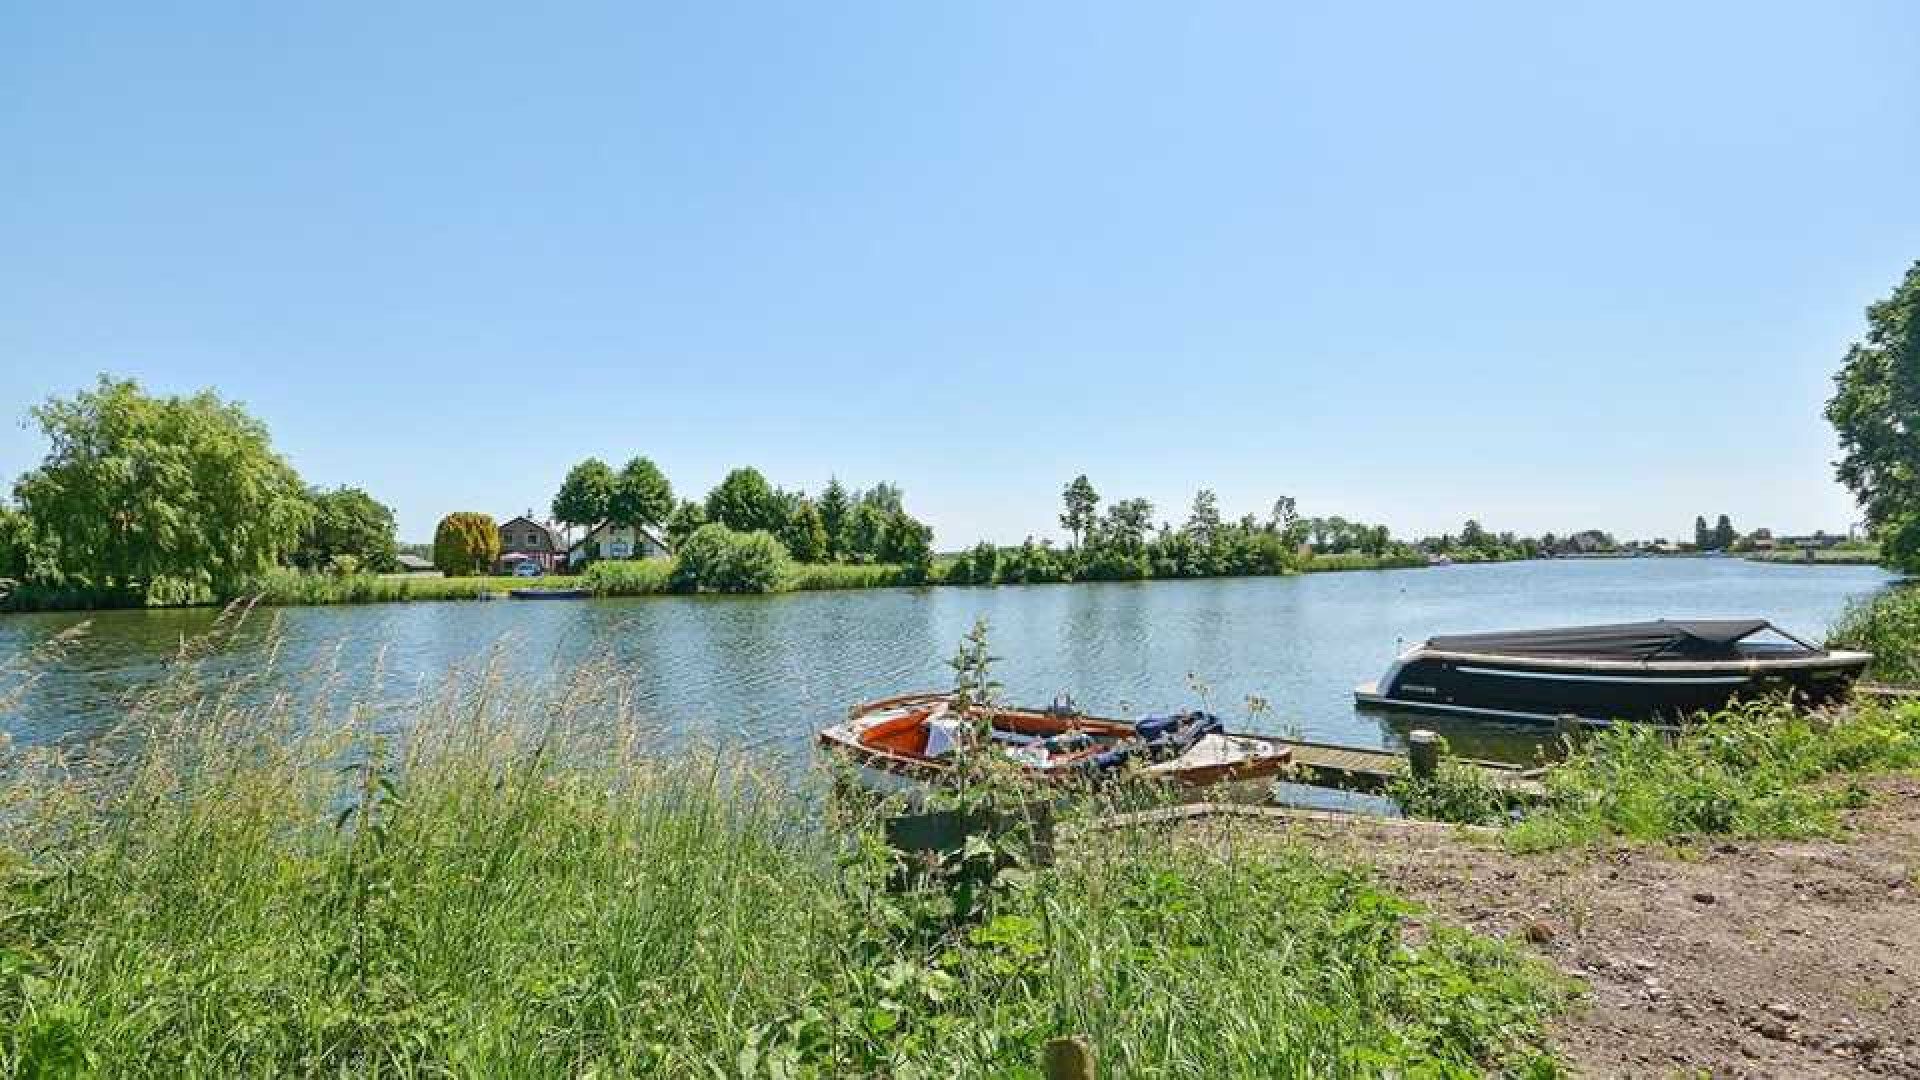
(918, 736)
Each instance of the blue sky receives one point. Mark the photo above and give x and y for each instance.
(1552, 266)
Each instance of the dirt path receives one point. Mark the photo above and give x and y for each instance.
(1734, 959)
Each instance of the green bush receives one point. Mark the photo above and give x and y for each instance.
(717, 559)
(1888, 626)
(1456, 792)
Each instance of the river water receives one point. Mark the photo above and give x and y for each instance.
(775, 669)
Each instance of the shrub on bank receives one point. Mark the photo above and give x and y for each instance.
(718, 559)
(1888, 626)
(509, 887)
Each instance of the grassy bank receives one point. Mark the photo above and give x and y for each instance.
(1860, 556)
(516, 887)
(1319, 564)
(1761, 769)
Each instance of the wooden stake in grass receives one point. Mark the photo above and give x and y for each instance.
(1423, 753)
(1069, 1058)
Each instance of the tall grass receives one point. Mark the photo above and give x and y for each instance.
(498, 880)
(821, 576)
(634, 577)
(1354, 560)
(287, 588)
(1764, 768)
(1887, 625)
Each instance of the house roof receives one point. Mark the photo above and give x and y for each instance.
(413, 562)
(645, 533)
(522, 520)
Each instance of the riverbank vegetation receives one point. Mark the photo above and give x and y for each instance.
(1886, 624)
(1758, 769)
(507, 882)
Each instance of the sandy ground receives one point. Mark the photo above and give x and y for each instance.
(1743, 959)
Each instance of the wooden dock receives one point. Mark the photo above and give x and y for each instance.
(1882, 690)
(1370, 771)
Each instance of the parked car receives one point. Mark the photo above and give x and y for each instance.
(527, 568)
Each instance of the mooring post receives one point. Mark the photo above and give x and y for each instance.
(1069, 1058)
(1423, 753)
(1566, 731)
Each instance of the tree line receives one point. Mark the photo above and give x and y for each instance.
(152, 499)
(1125, 542)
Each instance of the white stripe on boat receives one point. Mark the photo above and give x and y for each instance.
(1557, 676)
(1469, 710)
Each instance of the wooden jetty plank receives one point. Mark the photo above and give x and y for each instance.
(1883, 690)
(1192, 812)
(1354, 769)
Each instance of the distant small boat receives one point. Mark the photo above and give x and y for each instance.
(1661, 670)
(549, 594)
(917, 736)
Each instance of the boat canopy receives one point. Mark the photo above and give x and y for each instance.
(1689, 639)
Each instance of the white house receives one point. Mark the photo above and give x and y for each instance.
(610, 541)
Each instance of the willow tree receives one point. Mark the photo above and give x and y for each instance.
(179, 493)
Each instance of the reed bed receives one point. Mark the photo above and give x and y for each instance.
(1358, 561)
(825, 576)
(493, 879)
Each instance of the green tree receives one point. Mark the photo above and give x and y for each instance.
(1723, 533)
(686, 518)
(140, 491)
(466, 544)
(1876, 412)
(351, 523)
(1203, 521)
(585, 495)
(744, 501)
(1702, 536)
(16, 544)
(866, 532)
(641, 495)
(907, 542)
(1127, 524)
(805, 534)
(886, 498)
(1285, 513)
(1082, 508)
(835, 509)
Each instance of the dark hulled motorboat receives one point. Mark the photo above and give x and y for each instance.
(1661, 671)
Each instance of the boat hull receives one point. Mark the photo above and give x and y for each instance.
(1542, 690)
